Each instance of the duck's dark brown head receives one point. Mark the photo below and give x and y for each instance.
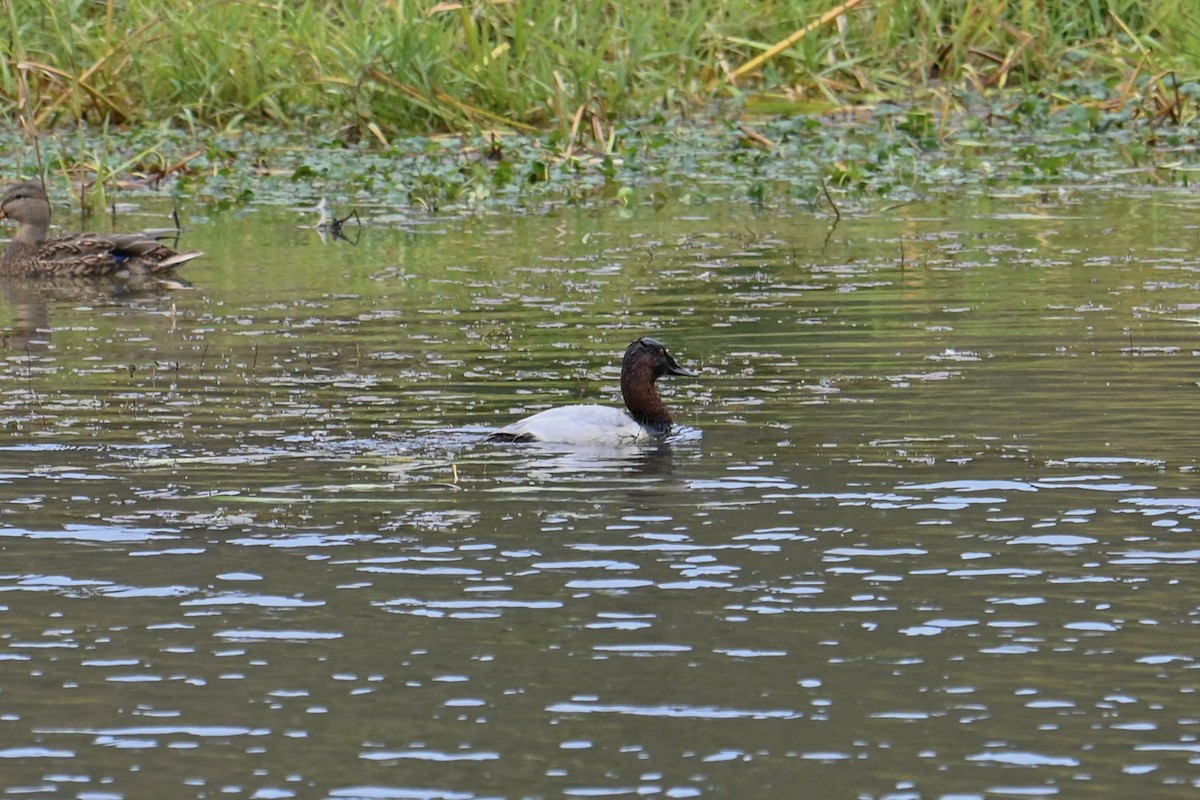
(646, 360)
(653, 354)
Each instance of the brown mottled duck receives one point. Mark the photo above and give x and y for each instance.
(32, 252)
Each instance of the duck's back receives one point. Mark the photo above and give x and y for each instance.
(103, 254)
(579, 424)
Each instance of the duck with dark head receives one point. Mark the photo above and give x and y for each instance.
(645, 419)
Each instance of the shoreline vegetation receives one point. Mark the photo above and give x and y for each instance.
(101, 93)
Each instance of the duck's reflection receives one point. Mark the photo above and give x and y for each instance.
(32, 300)
(564, 462)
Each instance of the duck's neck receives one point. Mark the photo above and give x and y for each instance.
(29, 237)
(643, 401)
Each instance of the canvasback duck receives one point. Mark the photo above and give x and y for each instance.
(646, 420)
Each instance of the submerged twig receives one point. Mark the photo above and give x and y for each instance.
(38, 415)
(335, 227)
(828, 237)
(837, 214)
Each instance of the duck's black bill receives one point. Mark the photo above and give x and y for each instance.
(673, 368)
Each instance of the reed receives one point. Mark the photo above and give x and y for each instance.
(382, 69)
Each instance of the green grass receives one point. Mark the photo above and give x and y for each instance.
(378, 70)
(875, 98)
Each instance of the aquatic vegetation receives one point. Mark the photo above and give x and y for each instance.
(895, 156)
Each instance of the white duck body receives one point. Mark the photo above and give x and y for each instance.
(585, 425)
(646, 420)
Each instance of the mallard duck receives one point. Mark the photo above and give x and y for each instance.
(32, 253)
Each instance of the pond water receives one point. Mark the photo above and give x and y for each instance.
(929, 528)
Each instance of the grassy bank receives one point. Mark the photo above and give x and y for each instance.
(445, 104)
(390, 68)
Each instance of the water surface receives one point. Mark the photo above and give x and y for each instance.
(929, 529)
